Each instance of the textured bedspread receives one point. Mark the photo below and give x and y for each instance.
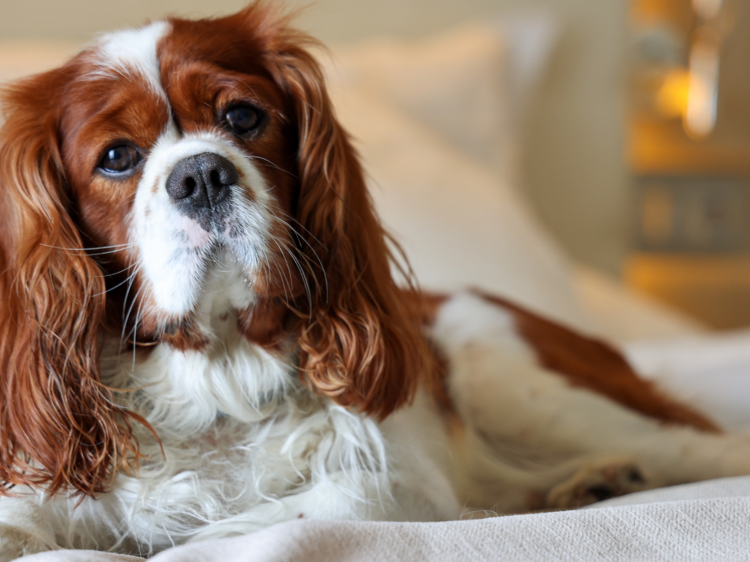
(706, 521)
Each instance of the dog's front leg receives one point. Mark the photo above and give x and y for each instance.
(23, 529)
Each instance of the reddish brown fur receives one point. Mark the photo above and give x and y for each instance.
(266, 324)
(358, 343)
(54, 409)
(184, 335)
(423, 307)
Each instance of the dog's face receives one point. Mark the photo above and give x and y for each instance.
(156, 170)
(180, 151)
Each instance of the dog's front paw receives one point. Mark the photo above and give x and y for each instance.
(23, 529)
(596, 482)
(16, 542)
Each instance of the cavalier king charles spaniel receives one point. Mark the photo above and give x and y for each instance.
(201, 334)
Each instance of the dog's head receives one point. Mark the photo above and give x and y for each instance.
(134, 173)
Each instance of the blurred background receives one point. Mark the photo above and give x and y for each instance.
(615, 135)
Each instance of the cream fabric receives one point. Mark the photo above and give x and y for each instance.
(714, 525)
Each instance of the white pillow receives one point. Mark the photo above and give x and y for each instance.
(453, 83)
(473, 84)
(459, 223)
(620, 315)
(531, 37)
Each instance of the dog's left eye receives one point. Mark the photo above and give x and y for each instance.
(119, 159)
(243, 119)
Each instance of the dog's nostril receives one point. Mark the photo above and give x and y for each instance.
(215, 178)
(184, 180)
(220, 172)
(189, 186)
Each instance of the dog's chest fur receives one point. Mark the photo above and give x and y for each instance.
(236, 430)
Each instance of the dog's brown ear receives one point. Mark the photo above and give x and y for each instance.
(359, 344)
(58, 425)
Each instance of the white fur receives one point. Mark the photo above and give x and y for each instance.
(132, 52)
(246, 445)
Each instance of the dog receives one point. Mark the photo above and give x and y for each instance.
(201, 334)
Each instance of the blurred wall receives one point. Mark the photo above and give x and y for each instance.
(575, 175)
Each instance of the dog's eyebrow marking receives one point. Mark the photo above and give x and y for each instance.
(132, 51)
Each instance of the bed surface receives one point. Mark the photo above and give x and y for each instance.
(706, 521)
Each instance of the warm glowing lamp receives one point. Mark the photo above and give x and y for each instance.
(699, 118)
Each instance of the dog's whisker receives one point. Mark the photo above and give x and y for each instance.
(273, 165)
(301, 238)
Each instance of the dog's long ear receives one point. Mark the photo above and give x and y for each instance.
(358, 342)
(58, 425)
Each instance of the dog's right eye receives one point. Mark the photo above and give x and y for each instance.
(119, 159)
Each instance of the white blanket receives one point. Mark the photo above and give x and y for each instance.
(662, 525)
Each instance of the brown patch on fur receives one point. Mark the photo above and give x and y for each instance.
(440, 390)
(535, 500)
(424, 306)
(441, 393)
(595, 365)
(184, 335)
(267, 324)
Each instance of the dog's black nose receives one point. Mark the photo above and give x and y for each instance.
(202, 181)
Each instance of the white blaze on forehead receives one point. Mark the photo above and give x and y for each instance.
(133, 51)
